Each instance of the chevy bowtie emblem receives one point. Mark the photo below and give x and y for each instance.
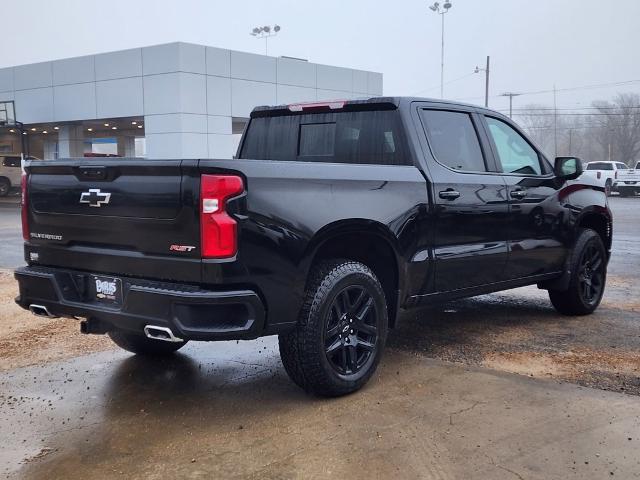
(95, 198)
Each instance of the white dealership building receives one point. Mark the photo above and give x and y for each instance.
(176, 100)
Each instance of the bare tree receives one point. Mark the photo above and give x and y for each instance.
(538, 121)
(619, 127)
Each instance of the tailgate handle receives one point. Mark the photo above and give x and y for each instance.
(93, 173)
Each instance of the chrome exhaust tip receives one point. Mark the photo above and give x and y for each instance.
(161, 333)
(40, 311)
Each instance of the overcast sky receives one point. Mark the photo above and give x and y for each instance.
(533, 44)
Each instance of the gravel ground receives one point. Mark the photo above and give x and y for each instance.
(29, 340)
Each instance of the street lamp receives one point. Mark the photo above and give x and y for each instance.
(510, 95)
(265, 32)
(441, 11)
(486, 81)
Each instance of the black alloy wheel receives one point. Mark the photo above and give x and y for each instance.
(351, 333)
(591, 274)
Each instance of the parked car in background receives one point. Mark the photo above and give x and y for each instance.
(10, 173)
(628, 181)
(614, 176)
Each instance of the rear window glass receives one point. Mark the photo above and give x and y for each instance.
(621, 166)
(317, 139)
(600, 166)
(454, 140)
(371, 137)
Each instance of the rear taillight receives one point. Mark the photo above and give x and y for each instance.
(599, 175)
(219, 232)
(616, 176)
(24, 204)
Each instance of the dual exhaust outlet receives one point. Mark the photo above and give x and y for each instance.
(161, 333)
(153, 332)
(41, 311)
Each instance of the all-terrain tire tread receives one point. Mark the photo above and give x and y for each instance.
(299, 348)
(569, 302)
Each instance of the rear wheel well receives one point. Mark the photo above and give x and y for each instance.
(601, 225)
(371, 250)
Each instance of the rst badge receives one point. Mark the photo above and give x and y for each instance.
(181, 248)
(95, 197)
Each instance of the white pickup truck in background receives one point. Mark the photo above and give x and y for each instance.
(615, 177)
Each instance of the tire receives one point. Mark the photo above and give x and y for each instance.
(141, 345)
(608, 188)
(5, 187)
(340, 336)
(588, 266)
(626, 192)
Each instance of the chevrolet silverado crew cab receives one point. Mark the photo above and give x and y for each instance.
(333, 219)
(615, 177)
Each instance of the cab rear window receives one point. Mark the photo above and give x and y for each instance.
(600, 166)
(365, 137)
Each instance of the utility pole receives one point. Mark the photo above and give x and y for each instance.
(570, 139)
(441, 11)
(486, 81)
(510, 95)
(555, 121)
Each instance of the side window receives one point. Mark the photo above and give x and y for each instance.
(454, 140)
(514, 152)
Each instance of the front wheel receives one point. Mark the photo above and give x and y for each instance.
(341, 331)
(588, 266)
(138, 343)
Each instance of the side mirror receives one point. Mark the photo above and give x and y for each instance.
(567, 168)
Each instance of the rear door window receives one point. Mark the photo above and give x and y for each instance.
(454, 140)
(361, 137)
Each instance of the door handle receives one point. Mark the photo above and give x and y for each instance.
(518, 194)
(449, 194)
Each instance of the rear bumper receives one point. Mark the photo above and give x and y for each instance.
(189, 311)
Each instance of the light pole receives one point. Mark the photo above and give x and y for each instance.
(265, 32)
(441, 11)
(486, 81)
(510, 95)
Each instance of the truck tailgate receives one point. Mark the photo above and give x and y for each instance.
(114, 217)
(632, 176)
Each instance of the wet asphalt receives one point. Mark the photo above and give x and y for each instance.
(227, 410)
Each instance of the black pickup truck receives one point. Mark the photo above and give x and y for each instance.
(332, 220)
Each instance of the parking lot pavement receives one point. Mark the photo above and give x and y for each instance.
(227, 410)
(11, 254)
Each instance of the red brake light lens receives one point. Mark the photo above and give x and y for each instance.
(24, 204)
(218, 230)
(333, 105)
